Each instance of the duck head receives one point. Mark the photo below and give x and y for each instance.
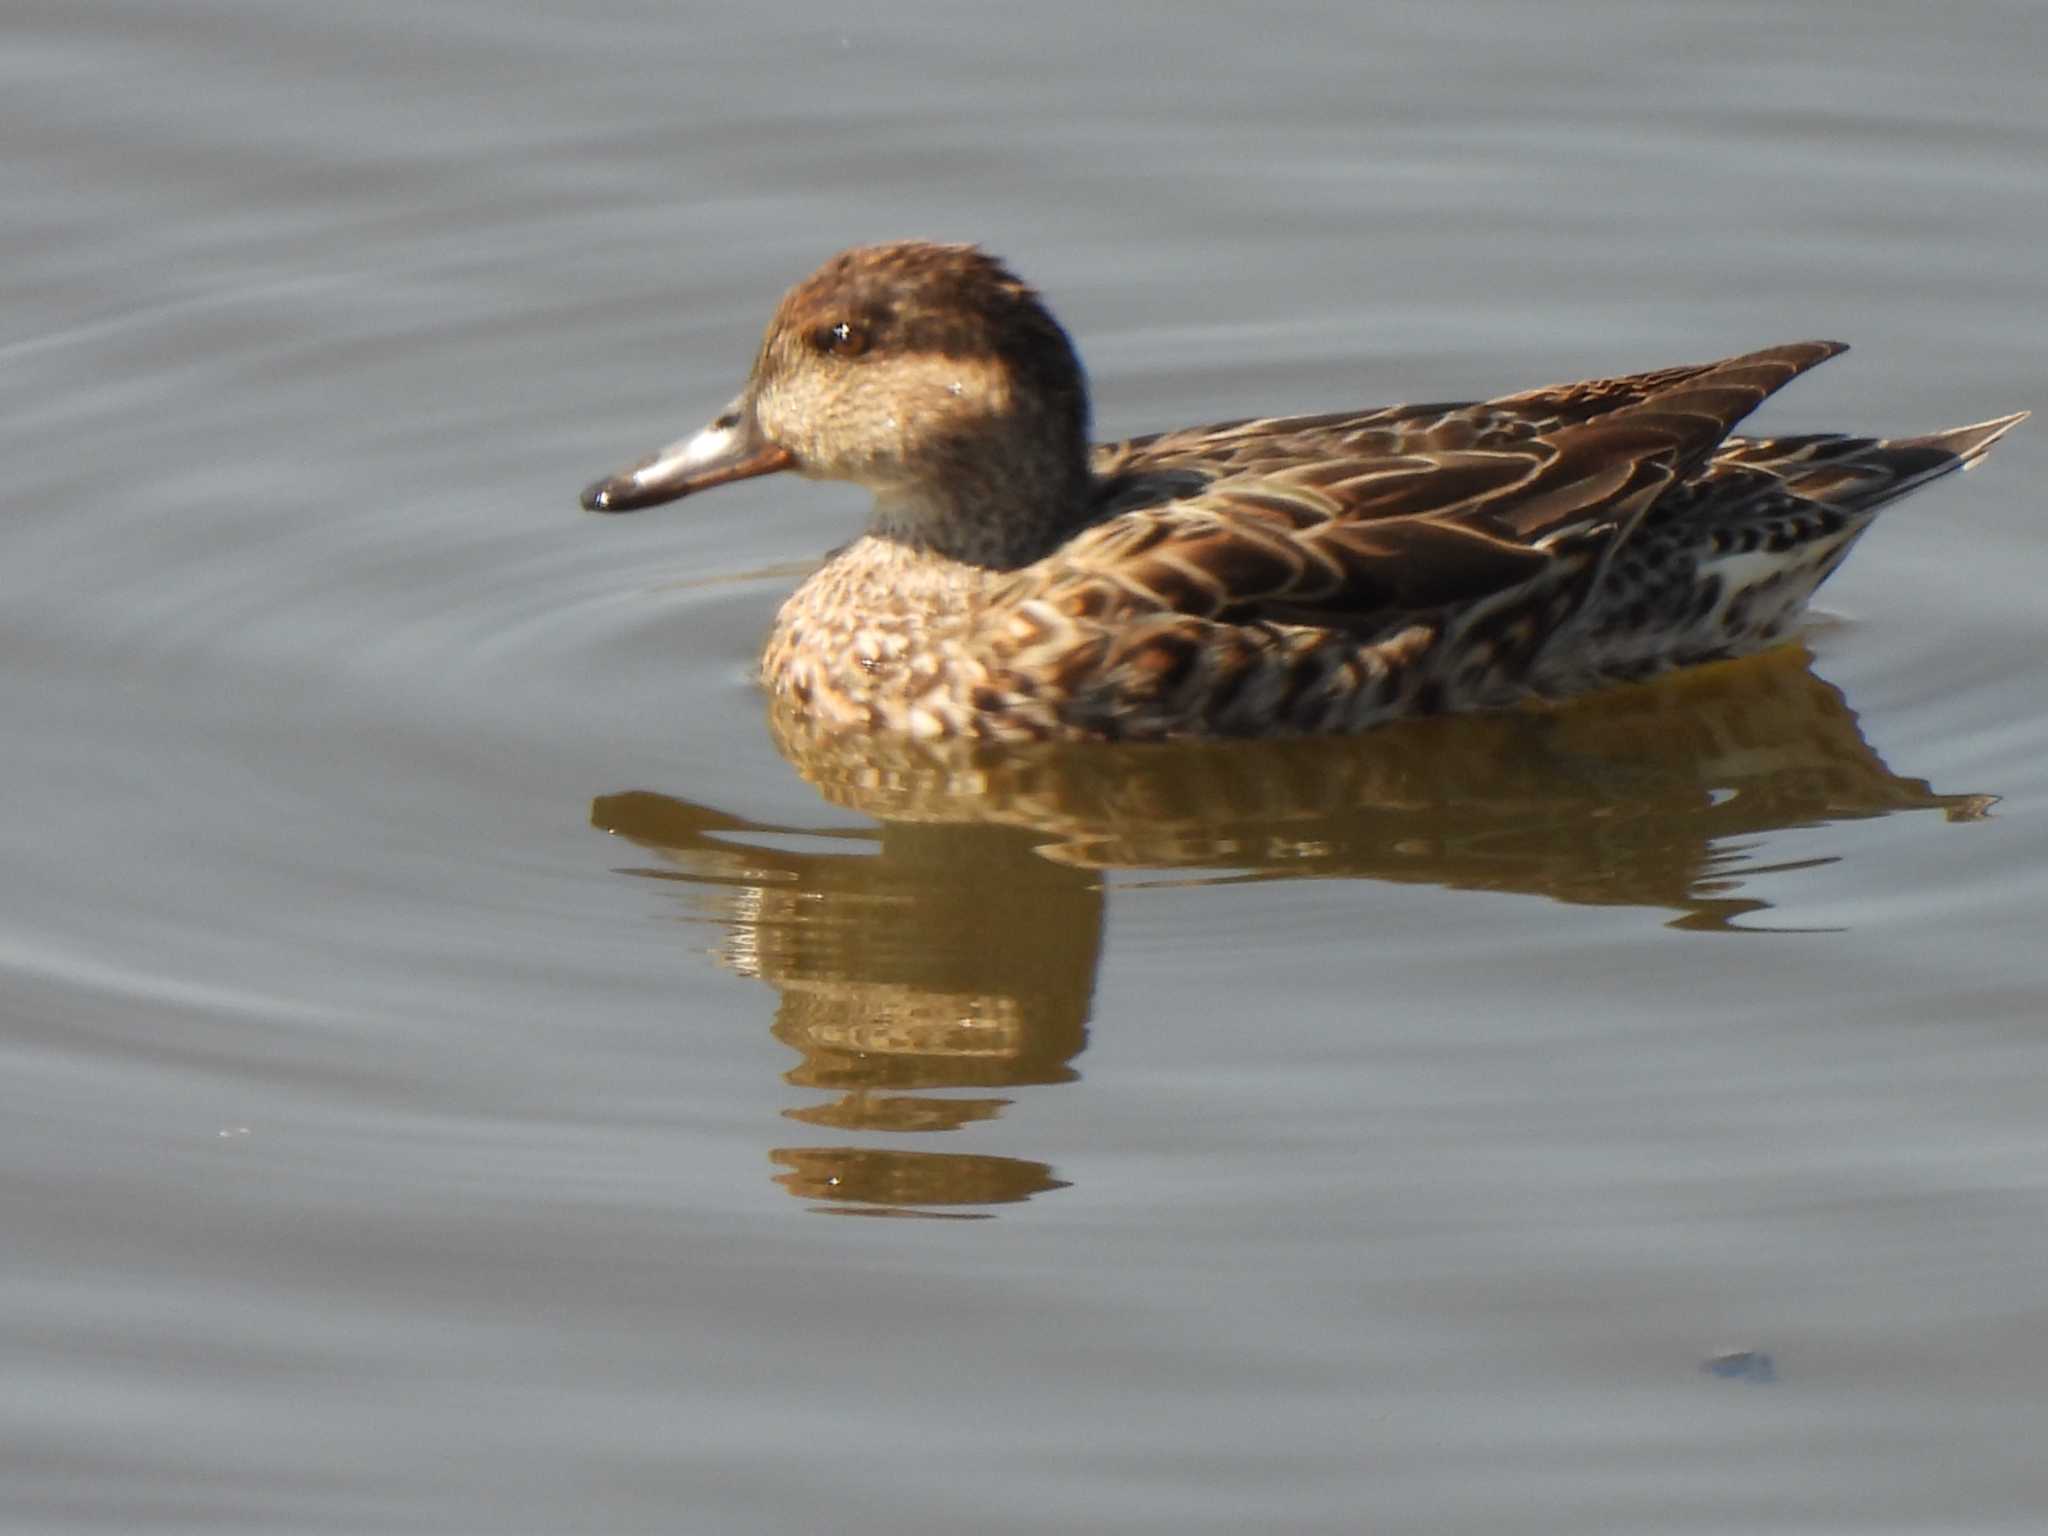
(931, 375)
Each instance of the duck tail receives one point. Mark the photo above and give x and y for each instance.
(1910, 462)
(1967, 445)
(1861, 474)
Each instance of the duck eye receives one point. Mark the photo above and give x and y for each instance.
(841, 340)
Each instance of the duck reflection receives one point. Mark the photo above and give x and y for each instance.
(949, 954)
(920, 966)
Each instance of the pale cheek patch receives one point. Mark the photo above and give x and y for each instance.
(955, 384)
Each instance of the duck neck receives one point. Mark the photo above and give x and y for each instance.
(985, 512)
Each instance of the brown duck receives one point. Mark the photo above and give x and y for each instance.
(1264, 577)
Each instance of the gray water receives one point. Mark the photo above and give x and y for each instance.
(436, 1023)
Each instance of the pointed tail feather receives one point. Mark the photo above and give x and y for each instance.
(1913, 461)
(1862, 474)
(1968, 444)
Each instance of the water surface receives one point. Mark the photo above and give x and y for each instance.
(437, 1020)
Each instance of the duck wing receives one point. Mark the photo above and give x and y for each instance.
(1356, 520)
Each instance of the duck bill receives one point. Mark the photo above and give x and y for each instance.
(729, 449)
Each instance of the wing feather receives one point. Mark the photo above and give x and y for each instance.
(1357, 520)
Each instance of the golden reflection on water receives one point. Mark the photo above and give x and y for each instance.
(950, 953)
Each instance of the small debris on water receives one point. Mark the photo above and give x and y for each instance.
(1751, 1365)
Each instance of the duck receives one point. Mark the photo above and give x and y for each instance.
(1272, 576)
